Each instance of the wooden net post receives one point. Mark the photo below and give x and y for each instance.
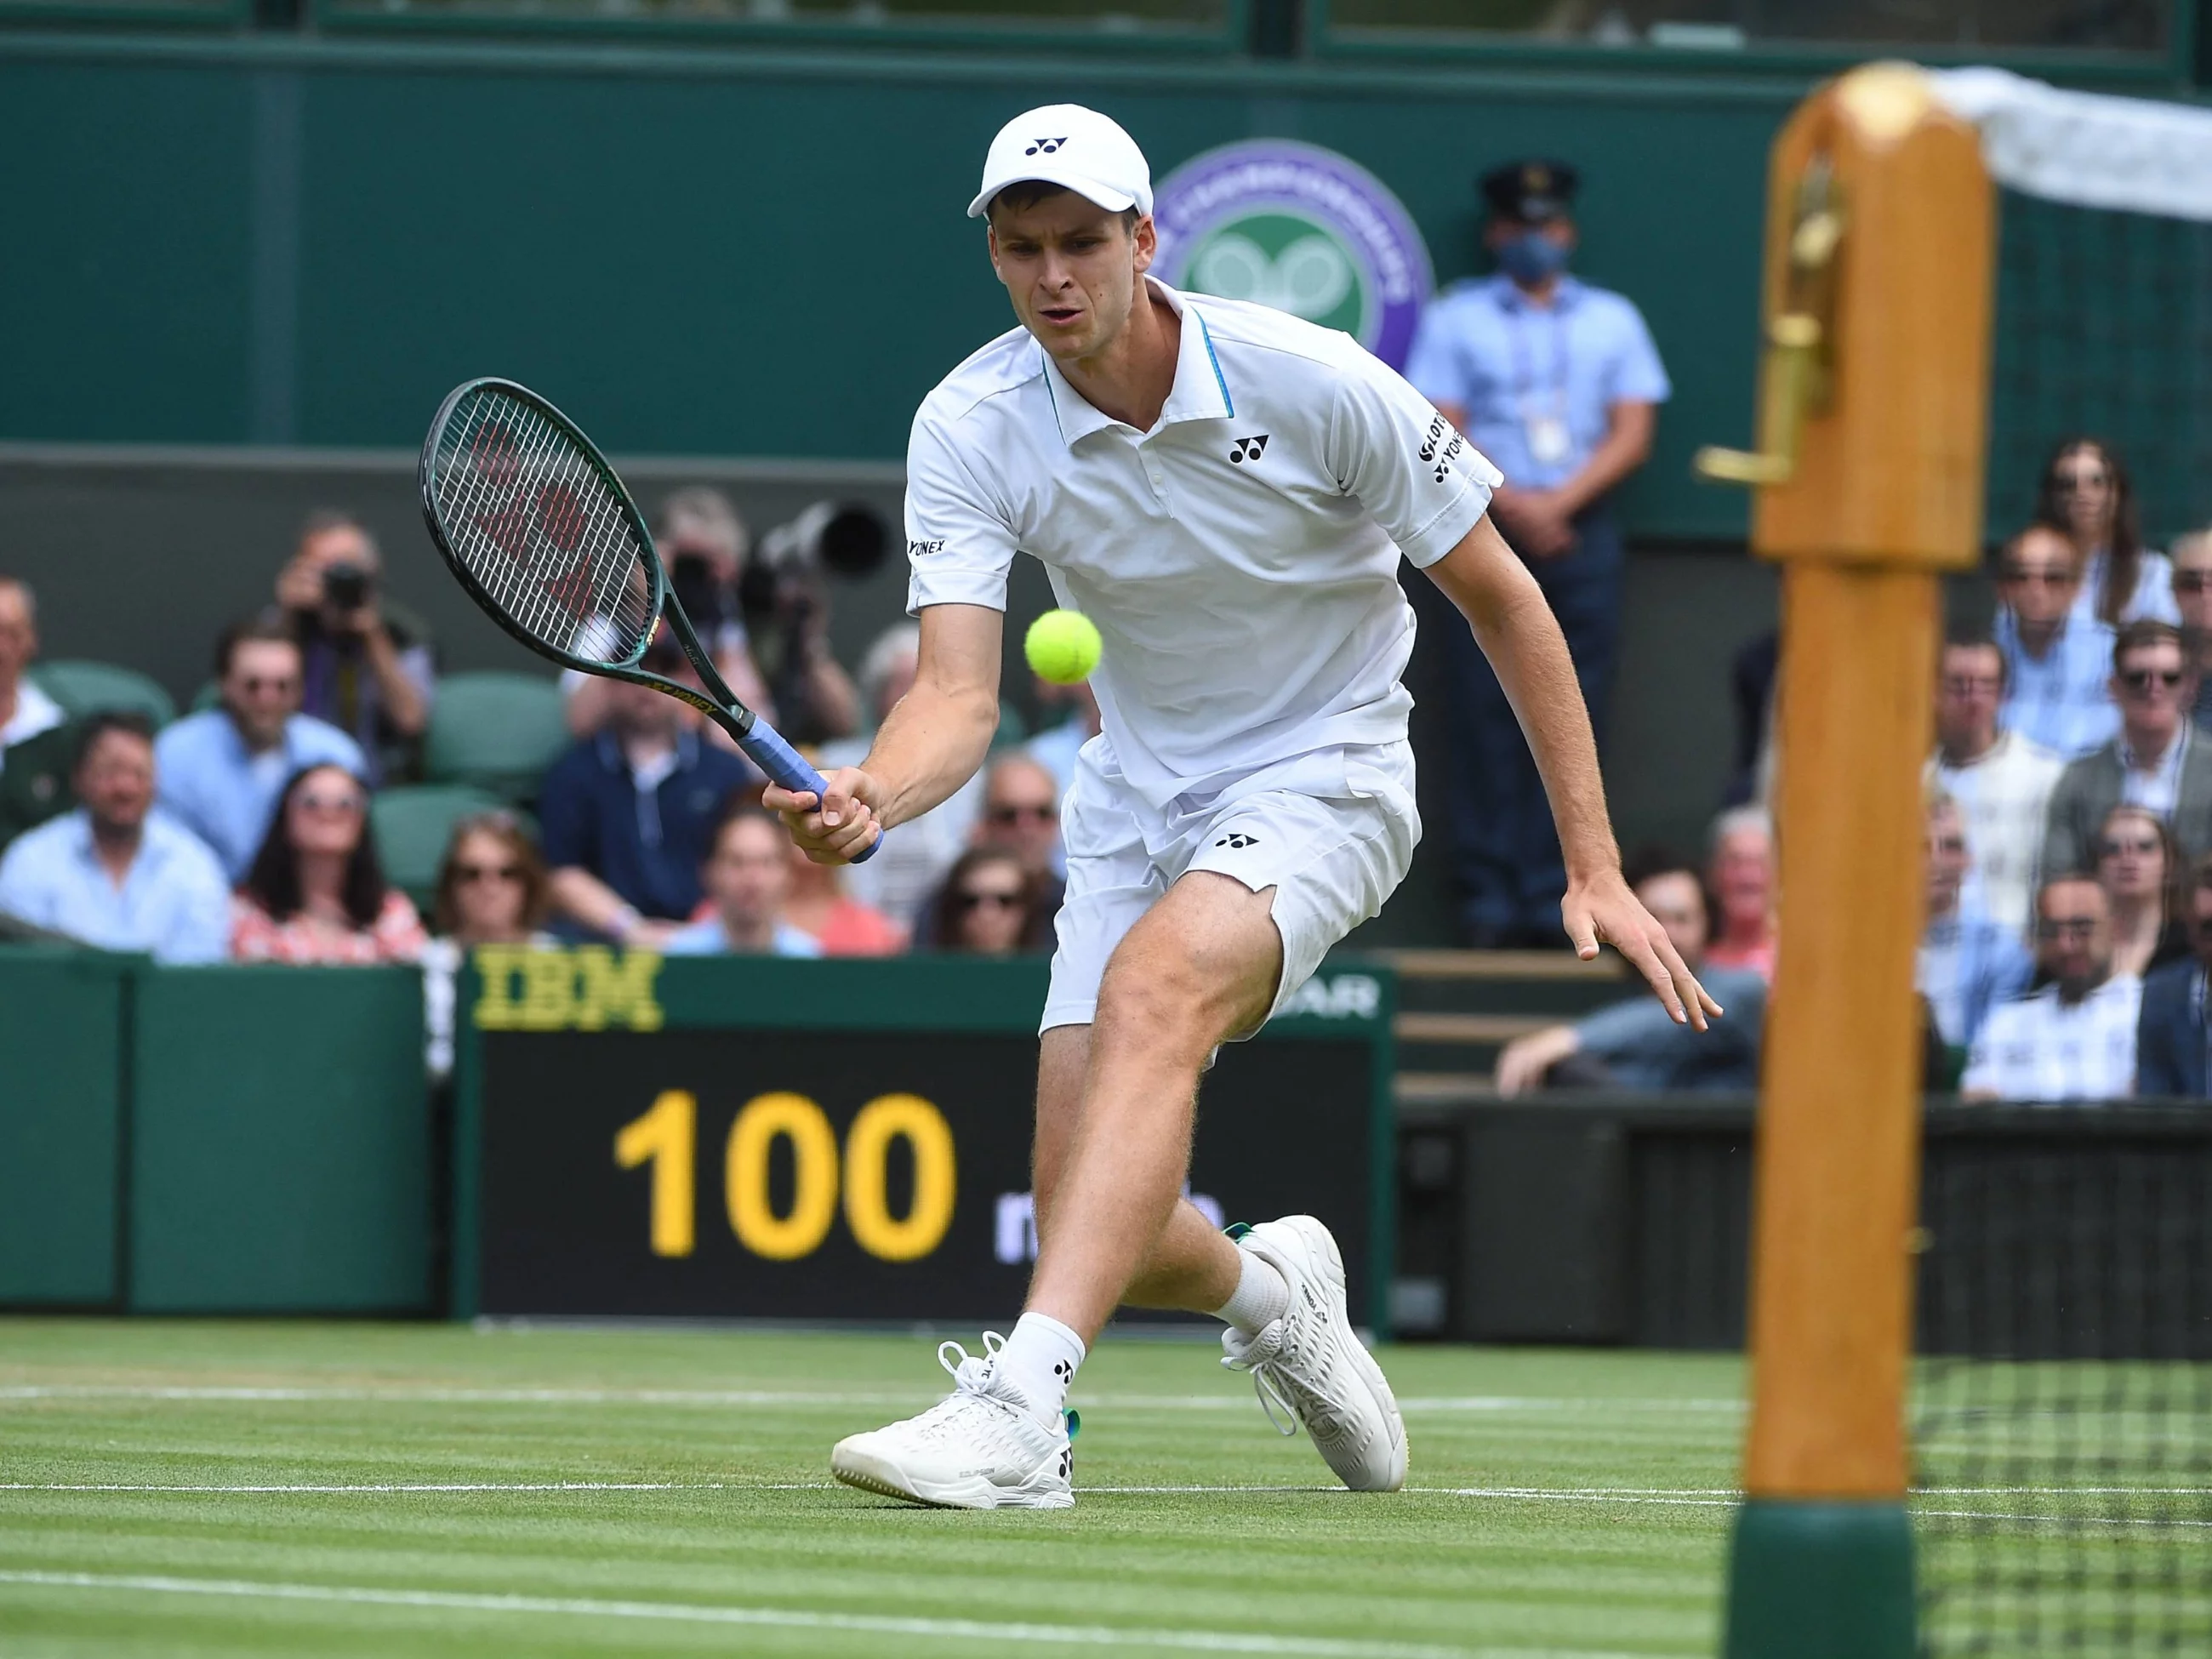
(1869, 477)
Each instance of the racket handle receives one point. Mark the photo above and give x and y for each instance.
(788, 769)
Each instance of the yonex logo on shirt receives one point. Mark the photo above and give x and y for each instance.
(923, 549)
(1238, 840)
(1249, 449)
(1045, 146)
(1436, 450)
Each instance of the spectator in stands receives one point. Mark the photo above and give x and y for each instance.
(1621, 1046)
(746, 877)
(2156, 761)
(908, 867)
(2057, 661)
(704, 543)
(365, 662)
(2171, 1045)
(2001, 780)
(2139, 866)
(491, 890)
(1559, 383)
(221, 769)
(116, 873)
(2087, 497)
(989, 906)
(1021, 816)
(1740, 865)
(2192, 597)
(2075, 1038)
(316, 892)
(818, 904)
(25, 710)
(35, 751)
(1968, 961)
(629, 815)
(1055, 748)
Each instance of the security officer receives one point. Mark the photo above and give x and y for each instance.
(1557, 382)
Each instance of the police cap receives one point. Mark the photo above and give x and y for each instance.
(1531, 191)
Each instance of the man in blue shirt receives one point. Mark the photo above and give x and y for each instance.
(629, 816)
(222, 769)
(115, 872)
(748, 876)
(2059, 662)
(1558, 383)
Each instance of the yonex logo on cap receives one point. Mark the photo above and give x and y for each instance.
(1249, 449)
(1044, 146)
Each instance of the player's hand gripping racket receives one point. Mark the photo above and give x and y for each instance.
(546, 539)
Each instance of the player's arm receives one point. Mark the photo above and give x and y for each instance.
(1519, 635)
(929, 745)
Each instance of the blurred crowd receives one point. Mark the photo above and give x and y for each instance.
(2068, 840)
(2068, 843)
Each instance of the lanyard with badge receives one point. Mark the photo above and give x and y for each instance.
(1543, 416)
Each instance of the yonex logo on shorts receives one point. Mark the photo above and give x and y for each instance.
(1044, 146)
(923, 549)
(1250, 449)
(1238, 840)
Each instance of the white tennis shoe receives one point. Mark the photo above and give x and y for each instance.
(979, 1447)
(1311, 1363)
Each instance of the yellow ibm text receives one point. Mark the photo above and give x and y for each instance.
(587, 989)
(667, 1138)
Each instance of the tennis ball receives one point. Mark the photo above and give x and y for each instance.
(1063, 646)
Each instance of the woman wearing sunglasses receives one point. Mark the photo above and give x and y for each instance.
(491, 890)
(2087, 497)
(315, 892)
(2138, 866)
(989, 908)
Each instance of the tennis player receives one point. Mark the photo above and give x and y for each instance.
(1225, 491)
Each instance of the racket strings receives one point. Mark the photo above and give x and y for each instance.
(529, 514)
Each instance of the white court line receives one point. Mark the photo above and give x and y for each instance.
(970, 1630)
(436, 1396)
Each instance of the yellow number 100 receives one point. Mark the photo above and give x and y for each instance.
(667, 1138)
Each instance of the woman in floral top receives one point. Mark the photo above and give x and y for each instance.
(316, 892)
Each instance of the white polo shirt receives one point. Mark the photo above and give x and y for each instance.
(1239, 559)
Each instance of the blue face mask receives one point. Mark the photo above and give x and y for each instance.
(1531, 257)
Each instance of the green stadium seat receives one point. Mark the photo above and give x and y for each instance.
(84, 688)
(209, 696)
(495, 731)
(413, 822)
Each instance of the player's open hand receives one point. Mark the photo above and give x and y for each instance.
(837, 827)
(1604, 911)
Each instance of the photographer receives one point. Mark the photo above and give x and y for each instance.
(704, 544)
(785, 597)
(368, 663)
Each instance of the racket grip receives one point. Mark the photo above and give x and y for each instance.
(789, 770)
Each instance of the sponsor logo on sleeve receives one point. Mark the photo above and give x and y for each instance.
(923, 549)
(1439, 445)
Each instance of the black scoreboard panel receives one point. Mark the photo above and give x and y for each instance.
(851, 1174)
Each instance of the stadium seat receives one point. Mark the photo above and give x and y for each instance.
(495, 731)
(413, 824)
(85, 688)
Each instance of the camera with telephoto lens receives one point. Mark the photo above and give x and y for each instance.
(345, 585)
(845, 539)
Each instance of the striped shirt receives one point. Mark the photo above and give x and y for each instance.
(2040, 1049)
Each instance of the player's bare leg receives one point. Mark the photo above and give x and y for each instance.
(1192, 1266)
(1202, 965)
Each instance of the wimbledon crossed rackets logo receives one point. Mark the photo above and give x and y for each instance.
(1302, 229)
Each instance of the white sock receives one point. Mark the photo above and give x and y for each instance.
(1262, 1296)
(1040, 1360)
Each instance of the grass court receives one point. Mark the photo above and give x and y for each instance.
(198, 1488)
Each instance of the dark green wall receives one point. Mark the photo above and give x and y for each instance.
(717, 253)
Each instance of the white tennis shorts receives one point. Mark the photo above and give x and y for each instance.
(1332, 832)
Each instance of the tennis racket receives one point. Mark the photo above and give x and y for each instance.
(541, 533)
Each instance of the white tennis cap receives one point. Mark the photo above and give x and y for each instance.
(1068, 145)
